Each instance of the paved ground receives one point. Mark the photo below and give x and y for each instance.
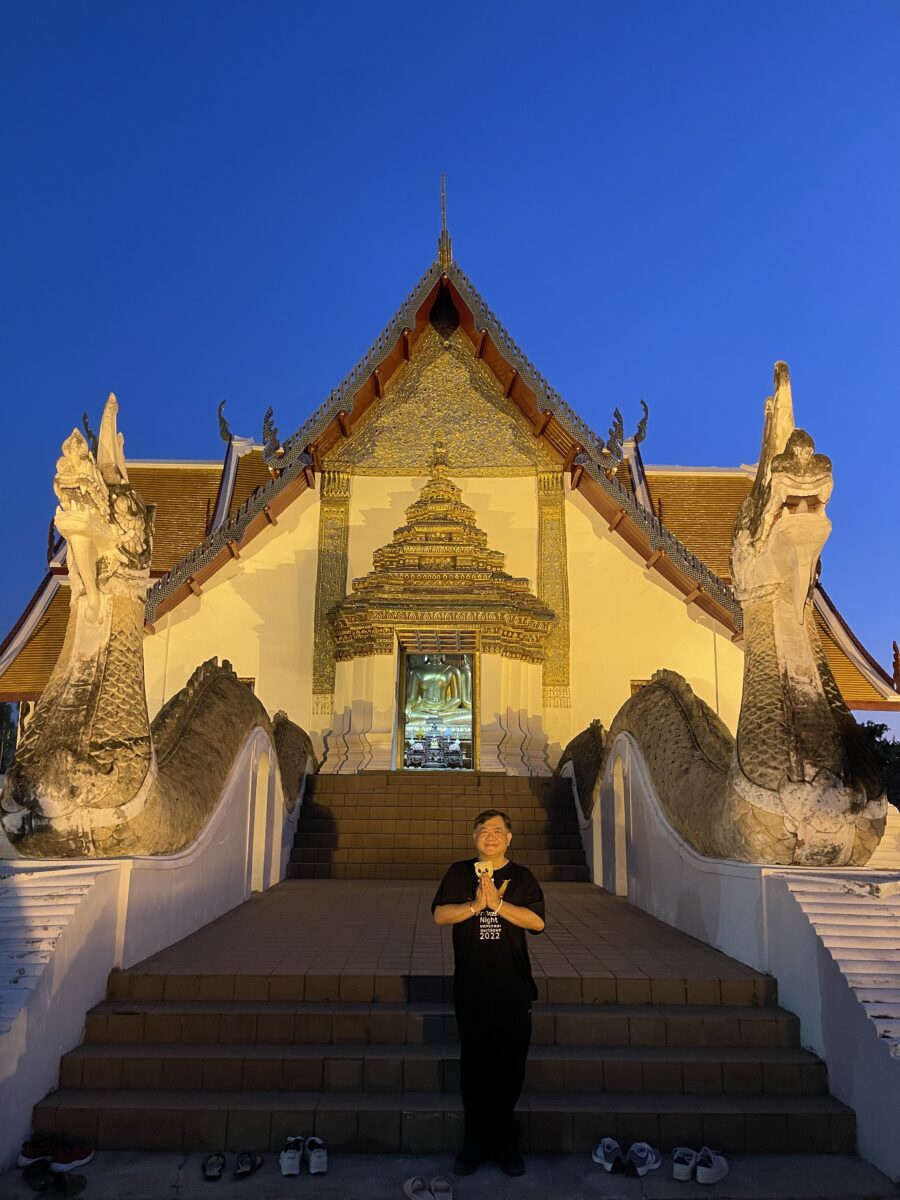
(385, 928)
(135, 1176)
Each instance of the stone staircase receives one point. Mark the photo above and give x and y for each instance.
(199, 1062)
(35, 907)
(858, 923)
(412, 825)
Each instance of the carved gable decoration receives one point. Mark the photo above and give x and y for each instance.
(438, 573)
(443, 388)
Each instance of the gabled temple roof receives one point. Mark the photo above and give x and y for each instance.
(678, 519)
(576, 445)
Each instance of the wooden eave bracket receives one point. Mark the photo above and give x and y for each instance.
(404, 342)
(309, 474)
(232, 547)
(653, 560)
(482, 341)
(512, 383)
(577, 472)
(545, 418)
(693, 595)
(343, 417)
(269, 515)
(194, 585)
(574, 451)
(617, 520)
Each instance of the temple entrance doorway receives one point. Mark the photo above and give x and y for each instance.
(436, 712)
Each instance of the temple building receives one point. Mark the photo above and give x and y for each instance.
(271, 693)
(444, 566)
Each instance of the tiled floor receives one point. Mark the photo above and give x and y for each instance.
(385, 928)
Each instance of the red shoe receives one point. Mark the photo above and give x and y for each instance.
(67, 1158)
(39, 1148)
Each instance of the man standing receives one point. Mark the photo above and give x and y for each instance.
(493, 988)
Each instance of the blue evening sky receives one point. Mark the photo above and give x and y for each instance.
(228, 200)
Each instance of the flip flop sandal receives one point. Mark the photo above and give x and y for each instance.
(247, 1164)
(213, 1166)
(441, 1188)
(417, 1189)
(68, 1185)
(38, 1175)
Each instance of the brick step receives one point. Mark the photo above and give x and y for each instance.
(429, 853)
(432, 1022)
(425, 871)
(424, 808)
(431, 1122)
(426, 1067)
(482, 781)
(400, 826)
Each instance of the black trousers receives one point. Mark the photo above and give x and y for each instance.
(494, 1036)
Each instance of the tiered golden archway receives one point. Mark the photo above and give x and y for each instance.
(438, 588)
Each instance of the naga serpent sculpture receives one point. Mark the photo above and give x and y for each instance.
(92, 777)
(798, 785)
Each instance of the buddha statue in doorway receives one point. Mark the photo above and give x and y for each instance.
(439, 690)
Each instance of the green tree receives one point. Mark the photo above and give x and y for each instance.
(9, 720)
(887, 752)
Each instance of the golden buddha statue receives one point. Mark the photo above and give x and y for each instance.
(439, 691)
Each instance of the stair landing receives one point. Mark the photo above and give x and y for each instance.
(330, 939)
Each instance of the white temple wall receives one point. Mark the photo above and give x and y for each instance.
(257, 613)
(626, 622)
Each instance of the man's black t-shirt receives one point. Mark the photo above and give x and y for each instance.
(491, 955)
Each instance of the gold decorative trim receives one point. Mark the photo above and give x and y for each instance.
(322, 704)
(438, 574)
(444, 387)
(331, 574)
(553, 585)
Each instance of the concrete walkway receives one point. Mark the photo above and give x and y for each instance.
(125, 1175)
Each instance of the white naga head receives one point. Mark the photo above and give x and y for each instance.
(782, 525)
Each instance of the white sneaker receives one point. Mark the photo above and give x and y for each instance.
(291, 1156)
(642, 1157)
(711, 1166)
(684, 1162)
(316, 1156)
(608, 1154)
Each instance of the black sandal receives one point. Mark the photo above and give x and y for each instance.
(213, 1166)
(68, 1185)
(38, 1175)
(247, 1164)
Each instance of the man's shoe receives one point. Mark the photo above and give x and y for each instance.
(608, 1155)
(711, 1166)
(512, 1164)
(642, 1158)
(467, 1162)
(291, 1156)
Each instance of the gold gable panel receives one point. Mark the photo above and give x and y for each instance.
(26, 677)
(443, 390)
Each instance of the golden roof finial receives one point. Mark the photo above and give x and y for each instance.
(445, 246)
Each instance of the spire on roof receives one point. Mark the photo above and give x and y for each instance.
(445, 246)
